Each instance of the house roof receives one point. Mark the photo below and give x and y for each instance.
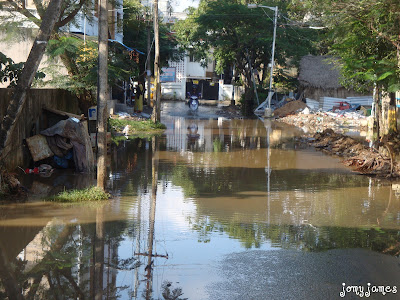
(319, 72)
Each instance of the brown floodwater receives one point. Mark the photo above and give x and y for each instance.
(213, 209)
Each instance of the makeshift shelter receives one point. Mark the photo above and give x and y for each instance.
(68, 140)
(320, 77)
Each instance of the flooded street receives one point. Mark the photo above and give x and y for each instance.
(214, 209)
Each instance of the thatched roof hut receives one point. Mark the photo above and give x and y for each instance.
(319, 72)
(320, 77)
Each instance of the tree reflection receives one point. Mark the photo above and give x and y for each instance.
(67, 262)
(301, 237)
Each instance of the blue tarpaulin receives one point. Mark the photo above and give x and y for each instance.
(129, 48)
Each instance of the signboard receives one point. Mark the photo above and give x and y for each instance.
(92, 113)
(168, 74)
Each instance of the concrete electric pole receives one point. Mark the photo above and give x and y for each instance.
(102, 95)
(157, 103)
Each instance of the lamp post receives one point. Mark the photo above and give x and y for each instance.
(268, 111)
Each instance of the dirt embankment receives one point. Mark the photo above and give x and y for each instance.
(289, 108)
(378, 160)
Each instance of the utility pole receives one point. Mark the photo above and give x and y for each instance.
(152, 215)
(268, 110)
(102, 93)
(157, 103)
(148, 75)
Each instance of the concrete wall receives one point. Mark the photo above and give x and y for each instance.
(19, 48)
(31, 120)
(194, 69)
(225, 91)
(173, 90)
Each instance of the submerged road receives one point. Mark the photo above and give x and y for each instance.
(222, 209)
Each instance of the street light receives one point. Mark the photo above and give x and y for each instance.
(268, 112)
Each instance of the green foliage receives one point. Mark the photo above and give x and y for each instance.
(233, 34)
(364, 34)
(89, 194)
(84, 62)
(10, 71)
(141, 129)
(137, 20)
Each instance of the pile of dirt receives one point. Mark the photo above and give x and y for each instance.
(289, 108)
(10, 187)
(361, 158)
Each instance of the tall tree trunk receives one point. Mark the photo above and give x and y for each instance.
(157, 103)
(102, 91)
(248, 104)
(31, 66)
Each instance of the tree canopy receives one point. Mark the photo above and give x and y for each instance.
(365, 35)
(137, 19)
(232, 34)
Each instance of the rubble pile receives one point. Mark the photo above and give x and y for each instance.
(318, 121)
(361, 158)
(133, 117)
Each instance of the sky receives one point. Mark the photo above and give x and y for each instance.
(181, 5)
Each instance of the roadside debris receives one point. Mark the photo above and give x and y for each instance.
(134, 116)
(312, 120)
(10, 186)
(366, 160)
(66, 144)
(44, 170)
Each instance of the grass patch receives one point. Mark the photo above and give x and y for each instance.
(136, 126)
(89, 194)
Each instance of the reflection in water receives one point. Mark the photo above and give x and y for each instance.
(185, 201)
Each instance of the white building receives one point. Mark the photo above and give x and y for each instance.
(177, 78)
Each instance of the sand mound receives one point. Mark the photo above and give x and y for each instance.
(289, 108)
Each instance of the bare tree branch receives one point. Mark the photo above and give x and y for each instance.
(39, 7)
(25, 12)
(72, 15)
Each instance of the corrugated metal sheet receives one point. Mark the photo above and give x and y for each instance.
(329, 102)
(313, 104)
(366, 100)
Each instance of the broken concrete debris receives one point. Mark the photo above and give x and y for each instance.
(299, 114)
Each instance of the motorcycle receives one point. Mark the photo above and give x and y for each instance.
(193, 102)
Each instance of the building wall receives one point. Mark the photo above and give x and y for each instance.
(83, 25)
(194, 69)
(29, 124)
(175, 90)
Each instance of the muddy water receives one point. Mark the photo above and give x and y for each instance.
(229, 209)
